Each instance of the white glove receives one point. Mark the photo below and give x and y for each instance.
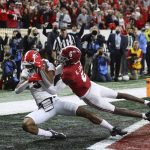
(25, 73)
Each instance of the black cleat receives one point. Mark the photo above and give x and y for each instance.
(117, 131)
(147, 116)
(148, 104)
(57, 135)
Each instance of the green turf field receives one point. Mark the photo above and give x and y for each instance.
(80, 132)
(6, 96)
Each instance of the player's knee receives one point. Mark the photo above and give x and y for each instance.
(120, 95)
(27, 124)
(81, 112)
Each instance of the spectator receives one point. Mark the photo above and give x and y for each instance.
(74, 12)
(100, 67)
(147, 33)
(108, 18)
(82, 18)
(116, 44)
(134, 60)
(26, 45)
(77, 36)
(25, 19)
(94, 41)
(2, 43)
(142, 45)
(16, 48)
(51, 37)
(63, 18)
(34, 40)
(67, 18)
(3, 16)
(9, 73)
(12, 21)
(35, 19)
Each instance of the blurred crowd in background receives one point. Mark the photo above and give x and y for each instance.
(35, 13)
(125, 55)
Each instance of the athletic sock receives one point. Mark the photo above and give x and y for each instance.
(44, 133)
(146, 102)
(144, 116)
(105, 124)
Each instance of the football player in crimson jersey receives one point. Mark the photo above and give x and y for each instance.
(38, 75)
(92, 93)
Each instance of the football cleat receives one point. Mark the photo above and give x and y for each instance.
(117, 131)
(148, 104)
(57, 135)
(147, 116)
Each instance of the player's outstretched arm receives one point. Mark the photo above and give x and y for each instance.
(46, 78)
(21, 86)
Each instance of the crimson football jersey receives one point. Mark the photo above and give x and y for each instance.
(76, 79)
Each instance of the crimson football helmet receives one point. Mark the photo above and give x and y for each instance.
(32, 57)
(70, 55)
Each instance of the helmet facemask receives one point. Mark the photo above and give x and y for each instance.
(29, 66)
(63, 60)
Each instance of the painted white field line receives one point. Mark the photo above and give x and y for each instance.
(8, 108)
(102, 145)
(15, 107)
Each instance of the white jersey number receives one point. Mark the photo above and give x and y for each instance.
(83, 76)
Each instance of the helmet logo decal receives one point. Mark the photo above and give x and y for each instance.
(35, 55)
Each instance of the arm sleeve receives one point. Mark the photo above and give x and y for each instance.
(45, 80)
(81, 30)
(53, 89)
(21, 87)
(58, 69)
(49, 89)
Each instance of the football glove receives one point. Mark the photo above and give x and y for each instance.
(34, 78)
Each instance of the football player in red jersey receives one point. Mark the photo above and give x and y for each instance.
(92, 93)
(38, 75)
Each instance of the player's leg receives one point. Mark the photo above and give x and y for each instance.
(31, 121)
(109, 93)
(132, 98)
(72, 109)
(29, 125)
(95, 99)
(81, 112)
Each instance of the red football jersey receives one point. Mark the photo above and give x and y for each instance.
(76, 79)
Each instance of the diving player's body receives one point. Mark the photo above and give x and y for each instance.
(90, 92)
